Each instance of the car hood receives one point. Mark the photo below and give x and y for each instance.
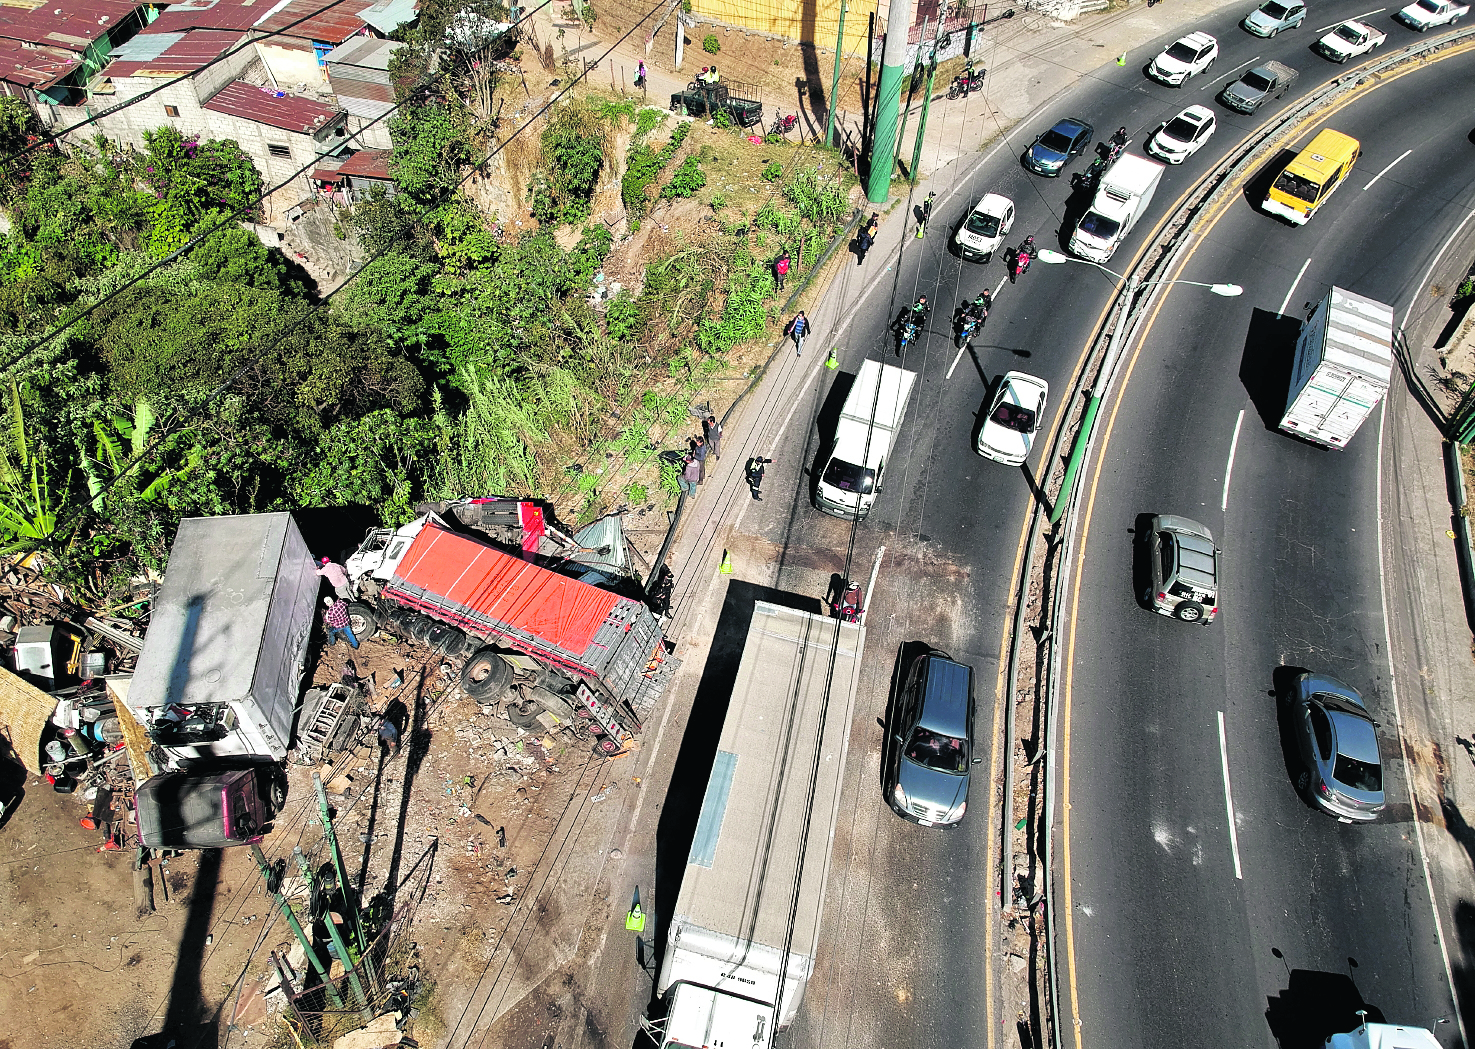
(1239, 89)
(1169, 144)
(1043, 154)
(1258, 19)
(1005, 442)
(1333, 42)
(967, 236)
(1166, 63)
(1415, 13)
(930, 786)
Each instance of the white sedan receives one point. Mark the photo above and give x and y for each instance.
(1185, 58)
(985, 228)
(1013, 419)
(1183, 136)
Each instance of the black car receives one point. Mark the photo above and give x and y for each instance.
(931, 746)
(1049, 153)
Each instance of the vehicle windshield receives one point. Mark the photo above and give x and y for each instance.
(1346, 32)
(1180, 129)
(1255, 81)
(1293, 185)
(1274, 10)
(1432, 6)
(1359, 775)
(1182, 52)
(1099, 225)
(849, 478)
(1053, 139)
(1013, 417)
(941, 753)
(983, 225)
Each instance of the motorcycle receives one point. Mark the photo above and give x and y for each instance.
(970, 322)
(1022, 259)
(965, 85)
(848, 607)
(1088, 179)
(782, 125)
(909, 331)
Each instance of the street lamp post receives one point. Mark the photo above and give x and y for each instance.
(1130, 287)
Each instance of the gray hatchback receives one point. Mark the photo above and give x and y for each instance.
(1339, 746)
(1185, 569)
(930, 749)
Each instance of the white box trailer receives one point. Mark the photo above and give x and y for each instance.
(741, 943)
(1122, 197)
(856, 468)
(1343, 365)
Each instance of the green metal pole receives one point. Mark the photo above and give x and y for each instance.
(926, 104)
(835, 83)
(350, 895)
(888, 99)
(1077, 453)
(348, 960)
(906, 112)
(302, 938)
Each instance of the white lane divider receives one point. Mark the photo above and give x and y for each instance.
(959, 357)
(1228, 799)
(1231, 73)
(1292, 289)
(1355, 18)
(1229, 469)
(1385, 171)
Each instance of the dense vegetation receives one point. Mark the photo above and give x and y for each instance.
(462, 359)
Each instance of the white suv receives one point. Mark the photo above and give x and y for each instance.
(1188, 57)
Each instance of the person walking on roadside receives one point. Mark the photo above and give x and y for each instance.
(336, 574)
(926, 214)
(874, 226)
(699, 452)
(640, 75)
(754, 473)
(863, 244)
(336, 619)
(691, 472)
(781, 269)
(798, 328)
(712, 431)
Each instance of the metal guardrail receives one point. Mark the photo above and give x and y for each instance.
(1172, 237)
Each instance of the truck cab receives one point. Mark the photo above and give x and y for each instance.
(856, 466)
(698, 1013)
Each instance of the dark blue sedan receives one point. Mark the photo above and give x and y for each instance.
(1049, 153)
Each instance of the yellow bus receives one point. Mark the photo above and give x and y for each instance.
(1313, 176)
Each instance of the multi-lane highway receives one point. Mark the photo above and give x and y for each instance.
(1169, 946)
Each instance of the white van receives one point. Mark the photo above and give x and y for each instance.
(856, 467)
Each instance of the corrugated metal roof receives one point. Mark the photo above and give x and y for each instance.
(367, 108)
(181, 53)
(72, 24)
(35, 67)
(333, 25)
(388, 15)
(207, 14)
(367, 163)
(288, 112)
(367, 51)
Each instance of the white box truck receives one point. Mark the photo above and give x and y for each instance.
(741, 943)
(856, 468)
(1343, 365)
(1122, 197)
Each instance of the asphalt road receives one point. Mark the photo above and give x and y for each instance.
(1280, 941)
(910, 909)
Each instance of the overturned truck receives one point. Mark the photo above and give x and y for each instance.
(545, 631)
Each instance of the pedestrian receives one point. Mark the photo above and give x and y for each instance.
(874, 226)
(691, 472)
(713, 78)
(781, 269)
(797, 329)
(389, 736)
(712, 430)
(754, 472)
(863, 245)
(336, 574)
(926, 214)
(640, 75)
(336, 618)
(699, 452)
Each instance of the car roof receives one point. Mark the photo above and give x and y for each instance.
(945, 697)
(993, 203)
(1070, 126)
(1028, 390)
(1196, 39)
(1356, 737)
(1198, 114)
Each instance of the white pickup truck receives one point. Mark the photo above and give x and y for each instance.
(1350, 40)
(1426, 14)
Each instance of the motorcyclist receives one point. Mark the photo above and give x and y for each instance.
(917, 312)
(983, 303)
(1022, 256)
(1119, 140)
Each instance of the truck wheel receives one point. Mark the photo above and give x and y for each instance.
(420, 627)
(1189, 611)
(486, 674)
(277, 791)
(524, 712)
(444, 639)
(362, 619)
(604, 747)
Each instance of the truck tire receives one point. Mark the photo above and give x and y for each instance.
(277, 791)
(1189, 611)
(363, 620)
(445, 640)
(604, 746)
(523, 712)
(420, 627)
(486, 675)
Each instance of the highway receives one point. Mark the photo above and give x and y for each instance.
(1170, 947)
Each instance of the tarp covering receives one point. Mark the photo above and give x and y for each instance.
(604, 546)
(505, 588)
(24, 712)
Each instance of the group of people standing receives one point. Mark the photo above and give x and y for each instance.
(694, 466)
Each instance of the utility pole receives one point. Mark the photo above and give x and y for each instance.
(911, 89)
(302, 937)
(350, 892)
(344, 956)
(888, 99)
(835, 83)
(937, 41)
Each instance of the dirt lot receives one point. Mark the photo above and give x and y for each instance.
(81, 967)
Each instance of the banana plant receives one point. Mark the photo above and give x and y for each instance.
(108, 463)
(28, 510)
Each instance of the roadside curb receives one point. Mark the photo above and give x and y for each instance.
(1454, 460)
